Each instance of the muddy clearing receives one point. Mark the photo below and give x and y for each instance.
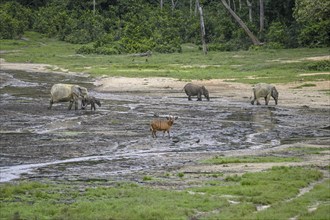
(114, 142)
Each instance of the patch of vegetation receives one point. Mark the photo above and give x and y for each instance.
(326, 91)
(32, 200)
(147, 178)
(305, 85)
(322, 65)
(300, 206)
(250, 159)
(307, 150)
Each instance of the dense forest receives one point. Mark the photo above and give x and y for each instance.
(136, 26)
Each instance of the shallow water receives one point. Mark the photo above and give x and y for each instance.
(114, 142)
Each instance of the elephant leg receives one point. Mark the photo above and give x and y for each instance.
(76, 105)
(199, 97)
(258, 103)
(50, 104)
(70, 105)
(189, 98)
(267, 98)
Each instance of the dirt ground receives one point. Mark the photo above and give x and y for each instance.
(115, 142)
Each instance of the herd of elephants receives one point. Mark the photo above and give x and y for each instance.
(74, 93)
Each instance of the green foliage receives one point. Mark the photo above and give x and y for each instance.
(139, 26)
(315, 34)
(323, 65)
(277, 33)
(15, 19)
(313, 16)
(74, 27)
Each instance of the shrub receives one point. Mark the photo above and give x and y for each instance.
(277, 35)
(15, 19)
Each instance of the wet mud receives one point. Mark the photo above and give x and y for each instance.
(114, 142)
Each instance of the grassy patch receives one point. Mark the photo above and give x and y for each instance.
(32, 200)
(250, 159)
(273, 66)
(307, 150)
(326, 91)
(305, 85)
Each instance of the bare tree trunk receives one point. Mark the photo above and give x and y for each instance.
(203, 33)
(190, 7)
(174, 4)
(161, 4)
(234, 5)
(249, 4)
(242, 24)
(94, 7)
(240, 4)
(196, 6)
(262, 16)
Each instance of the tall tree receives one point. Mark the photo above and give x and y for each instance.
(249, 4)
(253, 38)
(262, 15)
(203, 33)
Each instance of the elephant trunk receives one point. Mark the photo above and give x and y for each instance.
(83, 103)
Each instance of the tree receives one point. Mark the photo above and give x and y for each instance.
(203, 33)
(262, 16)
(314, 17)
(253, 38)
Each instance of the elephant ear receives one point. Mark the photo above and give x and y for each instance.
(76, 90)
(274, 92)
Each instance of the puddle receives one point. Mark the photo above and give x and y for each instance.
(114, 142)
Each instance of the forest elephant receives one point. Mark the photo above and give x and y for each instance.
(68, 93)
(196, 90)
(91, 100)
(264, 90)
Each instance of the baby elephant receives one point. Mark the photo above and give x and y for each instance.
(264, 90)
(162, 125)
(90, 100)
(193, 90)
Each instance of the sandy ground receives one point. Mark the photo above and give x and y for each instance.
(289, 95)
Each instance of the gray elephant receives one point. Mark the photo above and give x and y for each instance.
(91, 100)
(264, 90)
(196, 90)
(67, 93)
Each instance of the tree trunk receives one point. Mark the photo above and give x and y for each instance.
(94, 7)
(262, 16)
(242, 24)
(161, 4)
(202, 28)
(249, 4)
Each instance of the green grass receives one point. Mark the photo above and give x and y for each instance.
(305, 150)
(76, 200)
(275, 66)
(250, 159)
(305, 85)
